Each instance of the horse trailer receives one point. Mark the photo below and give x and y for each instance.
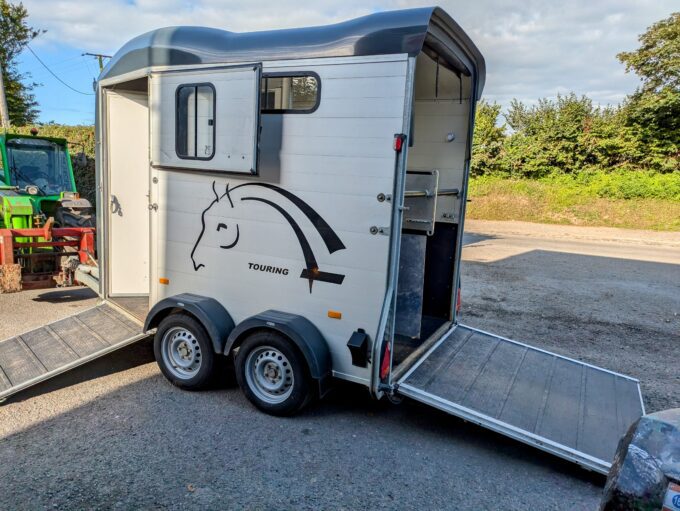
(294, 201)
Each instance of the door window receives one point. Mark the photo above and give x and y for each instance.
(289, 93)
(195, 135)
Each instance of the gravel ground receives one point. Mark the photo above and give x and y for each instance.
(115, 434)
(609, 297)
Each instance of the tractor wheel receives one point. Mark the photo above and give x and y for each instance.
(66, 217)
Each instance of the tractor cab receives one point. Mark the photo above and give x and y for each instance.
(37, 183)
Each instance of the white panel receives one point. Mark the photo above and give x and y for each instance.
(128, 166)
(365, 87)
(337, 160)
(236, 118)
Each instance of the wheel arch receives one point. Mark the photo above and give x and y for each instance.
(299, 330)
(207, 311)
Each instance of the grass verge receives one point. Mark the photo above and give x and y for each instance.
(602, 200)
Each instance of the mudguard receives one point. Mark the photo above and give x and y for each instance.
(299, 330)
(208, 311)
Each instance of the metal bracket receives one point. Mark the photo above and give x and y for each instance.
(385, 231)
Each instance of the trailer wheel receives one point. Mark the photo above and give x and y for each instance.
(183, 352)
(273, 374)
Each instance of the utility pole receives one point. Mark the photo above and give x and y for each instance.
(100, 58)
(4, 111)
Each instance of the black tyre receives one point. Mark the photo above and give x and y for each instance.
(273, 374)
(184, 352)
(71, 217)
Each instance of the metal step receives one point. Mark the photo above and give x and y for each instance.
(52, 349)
(571, 409)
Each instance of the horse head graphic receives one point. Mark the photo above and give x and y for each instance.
(220, 221)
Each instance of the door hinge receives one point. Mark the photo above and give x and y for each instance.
(153, 207)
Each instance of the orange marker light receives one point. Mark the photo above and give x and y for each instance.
(164, 281)
(335, 315)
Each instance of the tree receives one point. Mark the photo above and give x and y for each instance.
(488, 140)
(15, 34)
(551, 137)
(653, 111)
(657, 60)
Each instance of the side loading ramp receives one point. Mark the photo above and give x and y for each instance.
(52, 349)
(568, 408)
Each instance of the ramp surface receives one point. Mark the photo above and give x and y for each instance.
(569, 408)
(42, 353)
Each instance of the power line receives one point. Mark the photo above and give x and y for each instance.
(53, 74)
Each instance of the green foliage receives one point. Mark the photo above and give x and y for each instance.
(15, 34)
(657, 60)
(488, 140)
(569, 136)
(609, 185)
(637, 200)
(550, 137)
(653, 112)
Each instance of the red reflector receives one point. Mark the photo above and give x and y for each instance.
(458, 302)
(385, 366)
(398, 142)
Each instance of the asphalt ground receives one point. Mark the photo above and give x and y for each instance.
(114, 434)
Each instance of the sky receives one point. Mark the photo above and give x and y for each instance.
(533, 48)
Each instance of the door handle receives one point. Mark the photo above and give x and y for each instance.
(116, 209)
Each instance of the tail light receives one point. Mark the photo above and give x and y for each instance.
(398, 143)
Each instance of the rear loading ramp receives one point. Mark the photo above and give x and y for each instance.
(562, 406)
(52, 349)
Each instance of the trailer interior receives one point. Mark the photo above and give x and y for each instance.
(437, 159)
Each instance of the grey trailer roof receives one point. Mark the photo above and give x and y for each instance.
(393, 32)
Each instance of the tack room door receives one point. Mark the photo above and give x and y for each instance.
(128, 204)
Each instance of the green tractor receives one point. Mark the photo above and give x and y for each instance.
(38, 191)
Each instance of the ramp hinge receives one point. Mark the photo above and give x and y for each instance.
(388, 388)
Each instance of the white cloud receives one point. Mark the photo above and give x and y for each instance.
(533, 49)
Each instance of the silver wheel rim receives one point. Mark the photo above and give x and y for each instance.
(269, 375)
(181, 353)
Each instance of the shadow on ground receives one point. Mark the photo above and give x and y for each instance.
(73, 294)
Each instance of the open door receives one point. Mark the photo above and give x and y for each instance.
(571, 409)
(127, 131)
(206, 119)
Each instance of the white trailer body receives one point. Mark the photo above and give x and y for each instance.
(312, 183)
